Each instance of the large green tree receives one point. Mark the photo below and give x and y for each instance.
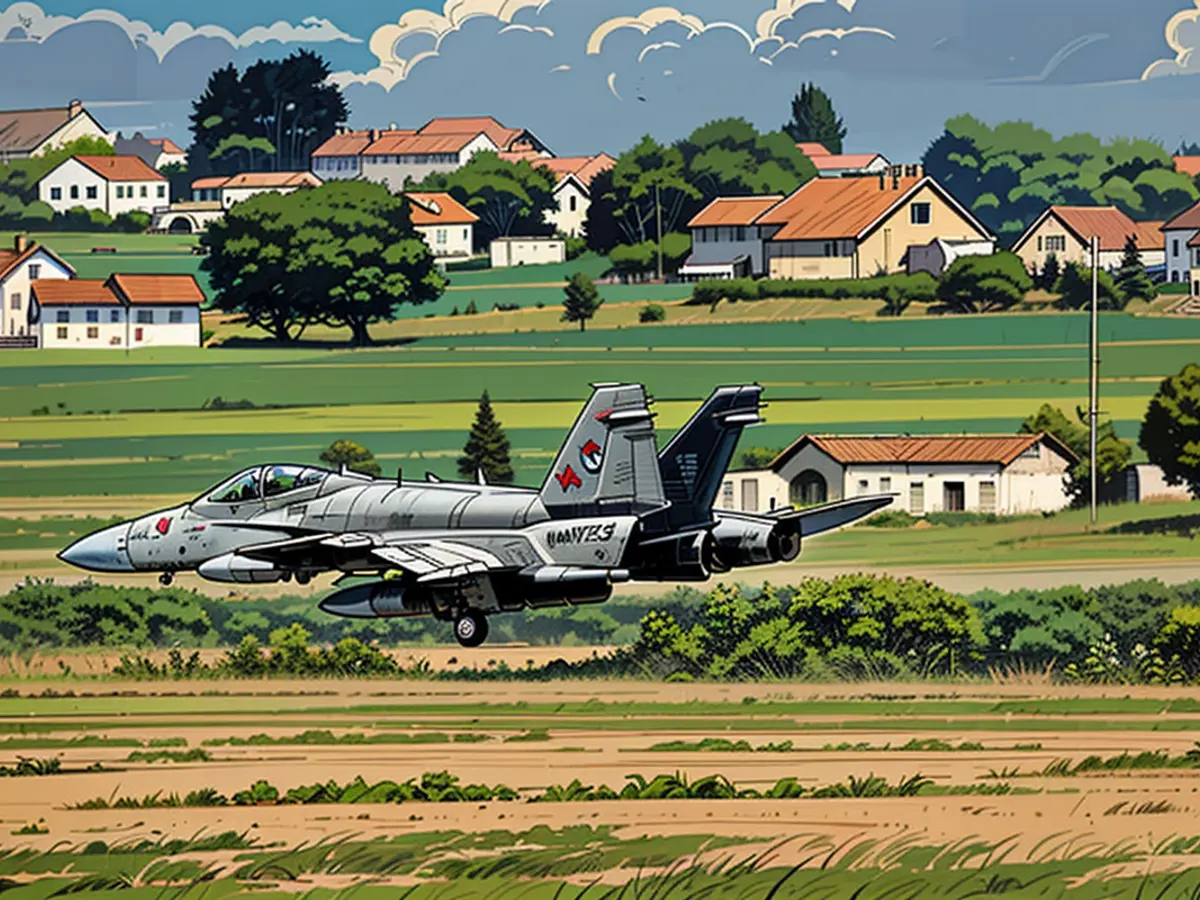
(343, 254)
(581, 301)
(645, 178)
(509, 198)
(1170, 432)
(984, 283)
(814, 120)
(272, 116)
(1112, 453)
(487, 448)
(729, 157)
(353, 456)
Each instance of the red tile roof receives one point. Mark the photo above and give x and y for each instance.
(583, 168)
(1195, 241)
(515, 156)
(1188, 165)
(73, 292)
(1109, 224)
(439, 209)
(832, 208)
(166, 145)
(213, 181)
(733, 211)
(843, 161)
(448, 125)
(121, 168)
(156, 290)
(812, 148)
(349, 143)
(405, 144)
(10, 259)
(1189, 218)
(926, 449)
(273, 180)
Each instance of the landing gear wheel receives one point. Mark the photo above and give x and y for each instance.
(303, 578)
(165, 579)
(471, 628)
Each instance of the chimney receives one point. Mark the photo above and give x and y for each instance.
(74, 109)
(20, 243)
(883, 181)
(373, 135)
(896, 180)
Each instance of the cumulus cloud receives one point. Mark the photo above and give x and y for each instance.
(768, 23)
(424, 30)
(658, 17)
(29, 22)
(1183, 36)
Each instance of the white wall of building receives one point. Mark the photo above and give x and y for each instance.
(230, 196)
(723, 244)
(393, 171)
(448, 240)
(73, 184)
(570, 215)
(102, 327)
(16, 288)
(1177, 253)
(532, 251)
(80, 126)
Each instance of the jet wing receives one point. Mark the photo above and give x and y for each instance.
(819, 519)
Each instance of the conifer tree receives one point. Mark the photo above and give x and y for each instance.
(487, 448)
(1132, 279)
(814, 120)
(1050, 273)
(582, 300)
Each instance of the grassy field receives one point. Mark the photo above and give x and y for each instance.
(892, 790)
(116, 423)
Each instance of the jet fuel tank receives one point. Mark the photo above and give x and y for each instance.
(239, 570)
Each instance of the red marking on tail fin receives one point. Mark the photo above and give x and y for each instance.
(589, 448)
(603, 416)
(569, 479)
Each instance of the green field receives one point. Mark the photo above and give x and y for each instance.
(113, 423)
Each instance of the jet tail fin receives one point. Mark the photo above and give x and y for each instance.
(607, 465)
(694, 462)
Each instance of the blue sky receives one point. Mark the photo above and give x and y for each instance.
(590, 75)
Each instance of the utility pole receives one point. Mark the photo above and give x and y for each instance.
(658, 215)
(1094, 371)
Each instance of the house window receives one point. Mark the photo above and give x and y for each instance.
(91, 192)
(175, 317)
(120, 192)
(1056, 243)
(145, 317)
(62, 333)
(16, 301)
(35, 271)
(1175, 247)
(922, 213)
(1040, 240)
(987, 496)
(572, 202)
(863, 486)
(62, 315)
(143, 191)
(750, 495)
(114, 315)
(741, 232)
(954, 496)
(885, 485)
(93, 315)
(831, 248)
(93, 332)
(56, 193)
(916, 498)
(74, 192)
(162, 191)
(441, 235)
(727, 495)
(465, 234)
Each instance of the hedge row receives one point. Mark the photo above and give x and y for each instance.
(919, 288)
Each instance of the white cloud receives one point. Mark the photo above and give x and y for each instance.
(768, 23)
(657, 17)
(818, 33)
(37, 25)
(385, 42)
(1183, 36)
(661, 45)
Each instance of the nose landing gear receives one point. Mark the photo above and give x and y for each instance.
(166, 578)
(471, 628)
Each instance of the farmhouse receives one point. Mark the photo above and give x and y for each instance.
(1067, 231)
(236, 188)
(125, 311)
(395, 157)
(25, 133)
(21, 267)
(573, 192)
(1182, 241)
(114, 184)
(447, 226)
(1006, 474)
(726, 242)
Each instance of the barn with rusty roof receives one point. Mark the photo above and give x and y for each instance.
(1001, 474)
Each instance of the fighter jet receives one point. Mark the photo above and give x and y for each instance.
(611, 510)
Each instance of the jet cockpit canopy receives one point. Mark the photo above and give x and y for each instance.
(263, 483)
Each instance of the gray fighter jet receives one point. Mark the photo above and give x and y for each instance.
(612, 509)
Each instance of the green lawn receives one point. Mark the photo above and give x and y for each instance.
(121, 423)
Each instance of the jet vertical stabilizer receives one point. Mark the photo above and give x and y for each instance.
(608, 465)
(694, 462)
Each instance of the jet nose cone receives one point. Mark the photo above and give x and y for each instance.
(103, 551)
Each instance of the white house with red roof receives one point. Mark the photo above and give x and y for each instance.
(447, 226)
(573, 188)
(1067, 232)
(114, 184)
(123, 311)
(231, 189)
(842, 165)
(21, 267)
(1000, 474)
(1182, 244)
(397, 157)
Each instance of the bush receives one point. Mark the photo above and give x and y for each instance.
(134, 222)
(576, 247)
(918, 288)
(979, 284)
(653, 312)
